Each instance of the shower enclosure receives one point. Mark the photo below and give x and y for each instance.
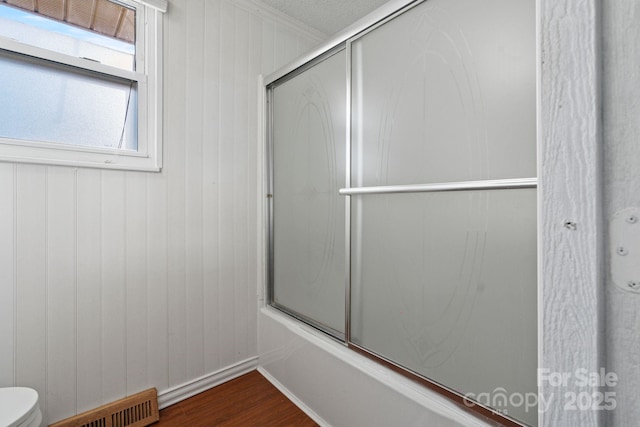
(402, 198)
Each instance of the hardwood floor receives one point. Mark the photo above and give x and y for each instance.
(249, 400)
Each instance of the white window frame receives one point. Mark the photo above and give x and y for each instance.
(147, 76)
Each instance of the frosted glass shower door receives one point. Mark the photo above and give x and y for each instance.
(443, 283)
(308, 114)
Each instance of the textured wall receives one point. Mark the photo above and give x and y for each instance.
(570, 181)
(110, 281)
(621, 119)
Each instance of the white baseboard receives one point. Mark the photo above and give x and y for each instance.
(204, 383)
(299, 403)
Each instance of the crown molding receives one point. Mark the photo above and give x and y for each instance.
(264, 10)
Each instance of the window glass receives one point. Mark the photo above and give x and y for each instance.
(444, 284)
(104, 33)
(446, 92)
(309, 154)
(50, 103)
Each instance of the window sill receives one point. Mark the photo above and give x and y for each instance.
(76, 156)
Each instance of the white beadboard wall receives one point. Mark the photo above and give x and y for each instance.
(112, 282)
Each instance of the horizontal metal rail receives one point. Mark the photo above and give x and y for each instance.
(496, 184)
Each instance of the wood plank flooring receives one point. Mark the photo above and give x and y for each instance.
(249, 400)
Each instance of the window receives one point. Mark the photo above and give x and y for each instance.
(82, 83)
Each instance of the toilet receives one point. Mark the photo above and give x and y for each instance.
(19, 407)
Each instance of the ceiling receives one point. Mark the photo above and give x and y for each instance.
(326, 16)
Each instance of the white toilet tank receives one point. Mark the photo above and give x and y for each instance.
(19, 407)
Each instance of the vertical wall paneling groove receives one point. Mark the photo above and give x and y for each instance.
(157, 252)
(267, 66)
(175, 169)
(62, 291)
(210, 189)
(268, 48)
(280, 53)
(293, 48)
(89, 278)
(136, 297)
(193, 188)
(240, 155)
(157, 290)
(226, 165)
(7, 274)
(254, 57)
(74, 350)
(112, 281)
(46, 285)
(31, 289)
(113, 285)
(15, 274)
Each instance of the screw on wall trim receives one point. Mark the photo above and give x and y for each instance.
(633, 284)
(632, 219)
(622, 251)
